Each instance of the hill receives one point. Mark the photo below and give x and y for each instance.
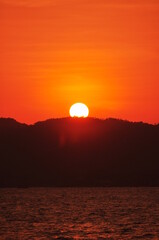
(78, 152)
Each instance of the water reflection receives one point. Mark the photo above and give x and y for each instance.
(88, 213)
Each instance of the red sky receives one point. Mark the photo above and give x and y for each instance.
(104, 53)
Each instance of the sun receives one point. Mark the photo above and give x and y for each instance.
(79, 110)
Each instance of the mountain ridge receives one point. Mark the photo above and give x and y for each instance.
(76, 118)
(78, 152)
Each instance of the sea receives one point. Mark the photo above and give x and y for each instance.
(79, 213)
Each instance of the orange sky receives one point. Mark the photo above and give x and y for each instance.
(104, 53)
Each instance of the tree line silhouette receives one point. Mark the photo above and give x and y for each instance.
(78, 152)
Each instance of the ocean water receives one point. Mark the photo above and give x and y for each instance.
(79, 213)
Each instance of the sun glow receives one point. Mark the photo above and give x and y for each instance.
(79, 110)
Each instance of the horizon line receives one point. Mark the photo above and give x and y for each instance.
(78, 118)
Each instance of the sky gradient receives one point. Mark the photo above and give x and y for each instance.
(104, 53)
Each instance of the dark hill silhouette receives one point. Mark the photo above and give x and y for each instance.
(78, 152)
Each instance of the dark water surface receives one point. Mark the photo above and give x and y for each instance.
(79, 213)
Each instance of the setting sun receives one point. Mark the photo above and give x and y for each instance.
(79, 110)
